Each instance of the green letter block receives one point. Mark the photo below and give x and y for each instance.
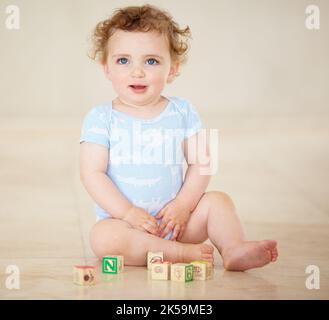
(189, 273)
(112, 264)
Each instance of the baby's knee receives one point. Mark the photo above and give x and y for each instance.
(218, 198)
(105, 239)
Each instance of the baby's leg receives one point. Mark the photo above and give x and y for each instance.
(215, 217)
(114, 236)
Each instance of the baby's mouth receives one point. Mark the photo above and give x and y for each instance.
(138, 88)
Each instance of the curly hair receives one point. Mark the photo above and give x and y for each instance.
(143, 19)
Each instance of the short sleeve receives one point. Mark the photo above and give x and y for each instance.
(193, 121)
(96, 127)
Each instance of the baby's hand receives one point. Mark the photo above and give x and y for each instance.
(140, 219)
(175, 215)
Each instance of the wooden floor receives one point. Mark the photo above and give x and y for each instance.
(276, 170)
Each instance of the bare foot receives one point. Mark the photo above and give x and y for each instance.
(200, 251)
(249, 254)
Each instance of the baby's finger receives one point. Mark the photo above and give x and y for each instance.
(163, 226)
(152, 221)
(181, 232)
(151, 229)
(140, 228)
(167, 229)
(163, 223)
(175, 232)
(160, 214)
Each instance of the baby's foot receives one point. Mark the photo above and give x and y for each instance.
(249, 254)
(201, 251)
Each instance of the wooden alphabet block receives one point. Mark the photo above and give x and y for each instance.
(202, 270)
(153, 257)
(112, 264)
(84, 275)
(160, 270)
(182, 272)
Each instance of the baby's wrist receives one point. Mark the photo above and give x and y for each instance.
(128, 213)
(183, 202)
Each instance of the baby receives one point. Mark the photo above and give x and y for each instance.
(132, 151)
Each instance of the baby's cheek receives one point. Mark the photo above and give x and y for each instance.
(159, 82)
(119, 81)
(116, 82)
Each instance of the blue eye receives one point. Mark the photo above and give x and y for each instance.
(122, 60)
(152, 61)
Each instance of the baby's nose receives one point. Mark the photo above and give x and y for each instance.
(138, 72)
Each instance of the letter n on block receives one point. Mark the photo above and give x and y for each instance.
(112, 264)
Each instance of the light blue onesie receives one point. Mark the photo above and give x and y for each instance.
(145, 156)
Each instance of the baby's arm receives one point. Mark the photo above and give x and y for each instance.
(196, 181)
(176, 213)
(93, 167)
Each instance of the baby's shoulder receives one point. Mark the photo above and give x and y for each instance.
(98, 112)
(183, 106)
(99, 109)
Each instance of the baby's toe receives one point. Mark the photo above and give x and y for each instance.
(269, 244)
(206, 248)
(274, 254)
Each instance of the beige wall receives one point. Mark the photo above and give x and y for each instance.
(250, 57)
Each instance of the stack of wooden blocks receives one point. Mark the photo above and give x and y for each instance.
(181, 272)
(160, 269)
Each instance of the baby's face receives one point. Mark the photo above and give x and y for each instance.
(139, 66)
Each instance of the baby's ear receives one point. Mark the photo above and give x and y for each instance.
(173, 73)
(106, 71)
